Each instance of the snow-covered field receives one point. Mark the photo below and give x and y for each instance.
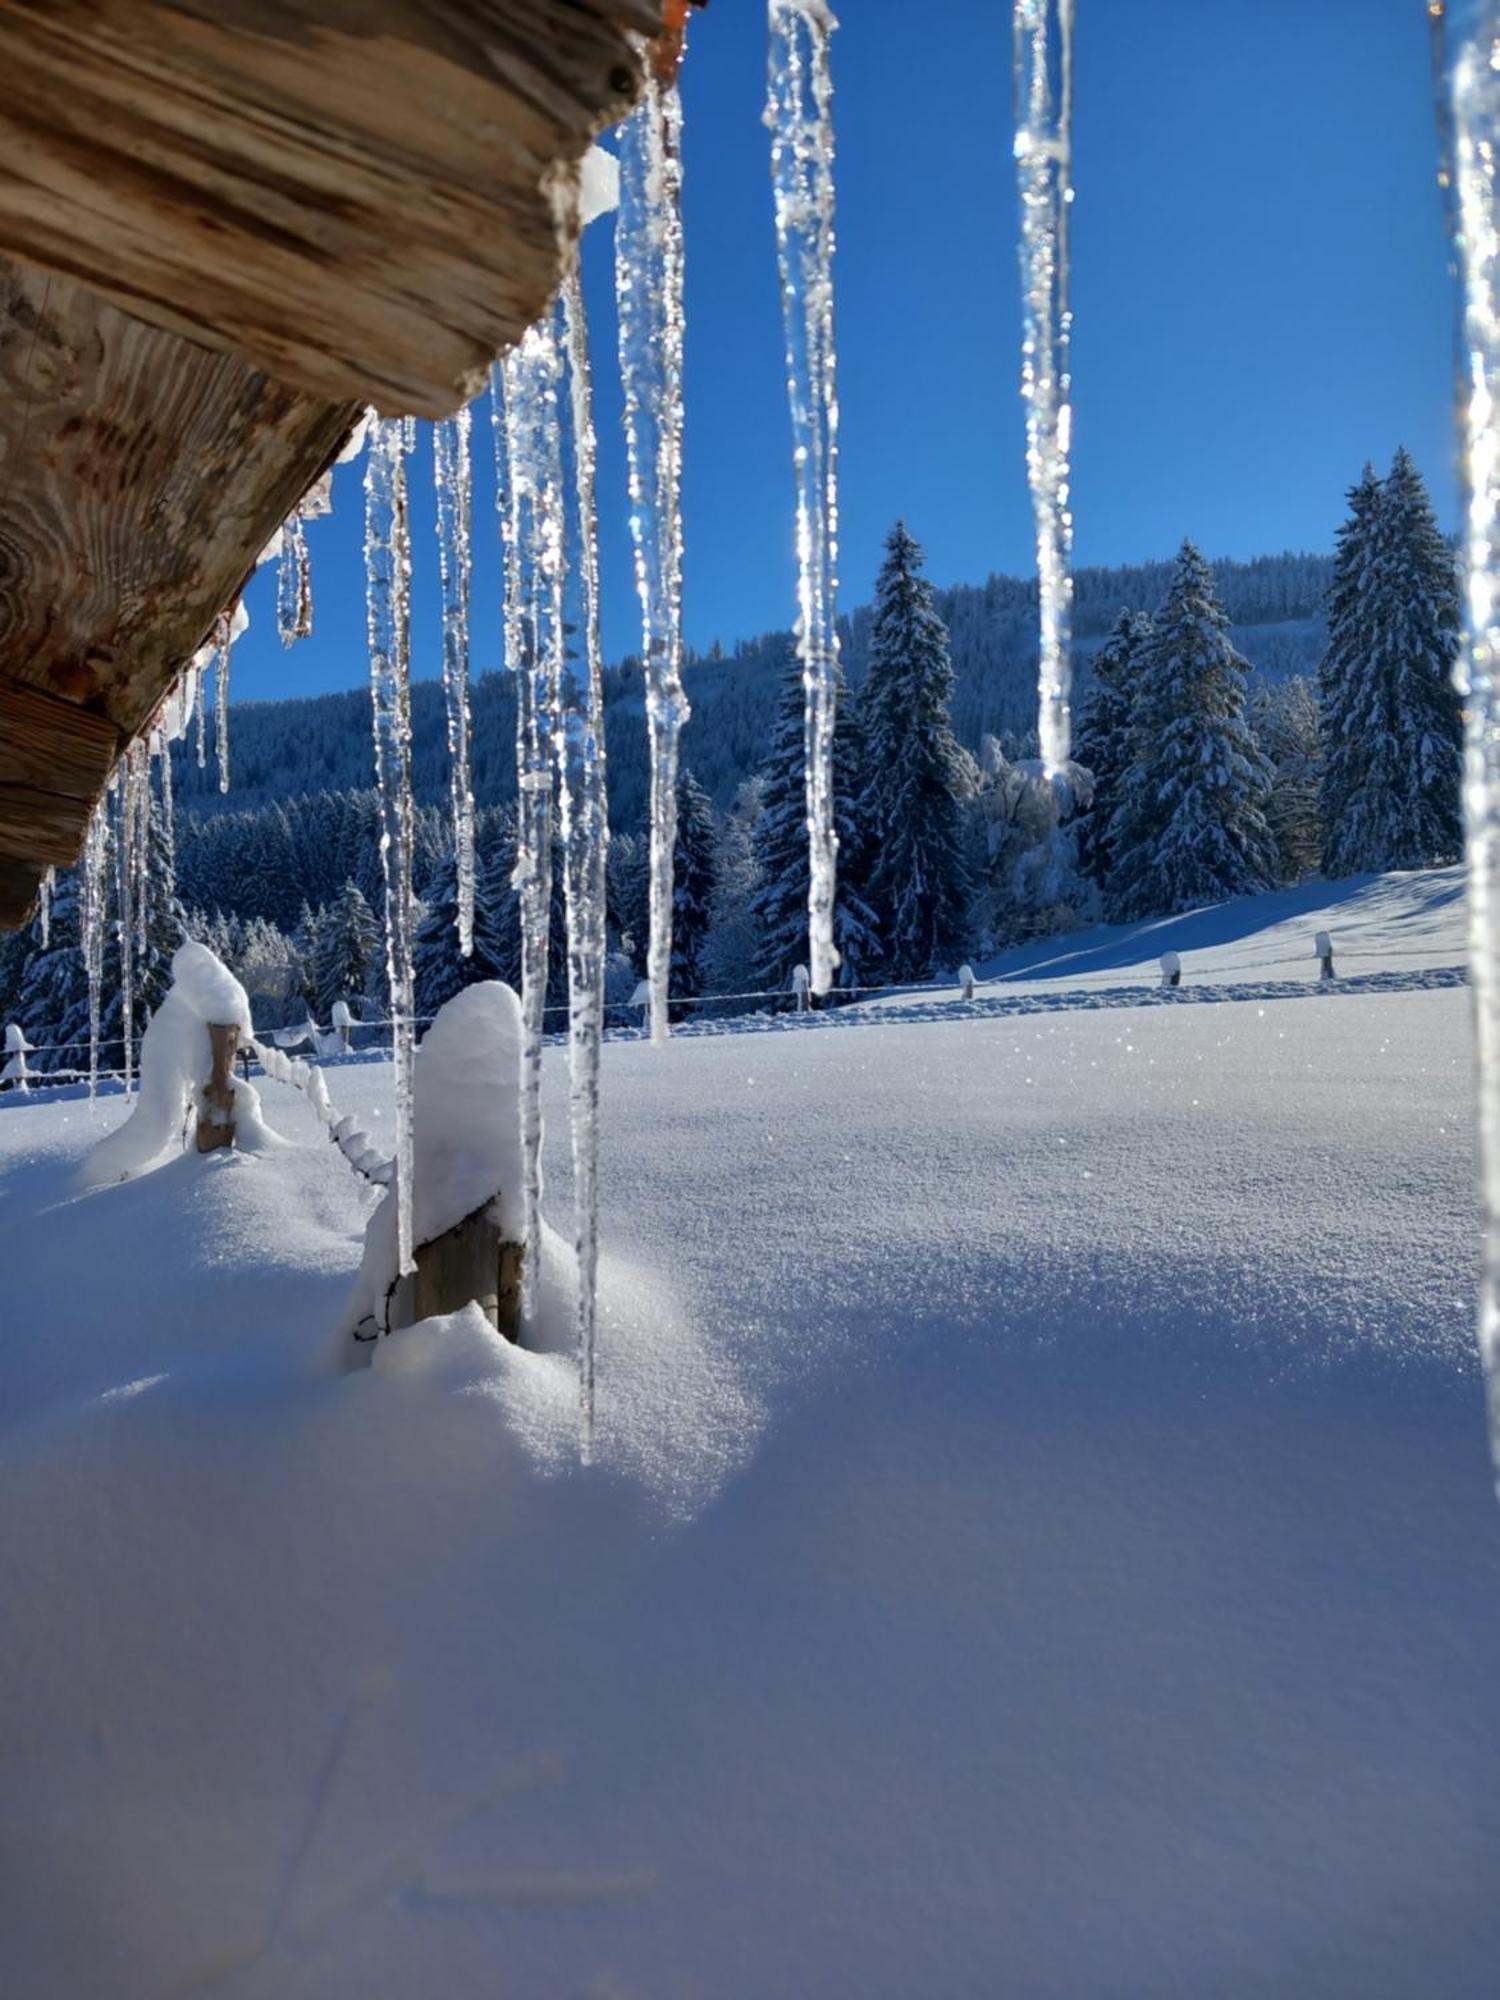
(1043, 1542)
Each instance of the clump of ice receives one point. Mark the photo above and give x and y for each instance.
(176, 1062)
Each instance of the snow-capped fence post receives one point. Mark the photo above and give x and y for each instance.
(801, 986)
(467, 1215)
(343, 1024)
(641, 1000)
(1323, 946)
(17, 1048)
(966, 981)
(1171, 969)
(216, 1098)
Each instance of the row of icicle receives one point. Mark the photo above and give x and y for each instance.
(545, 460)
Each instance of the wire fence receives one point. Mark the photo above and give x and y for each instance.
(1048, 974)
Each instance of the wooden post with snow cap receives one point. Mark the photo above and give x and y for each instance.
(216, 1098)
(641, 999)
(343, 1024)
(467, 1207)
(17, 1048)
(802, 987)
(1323, 946)
(1171, 969)
(966, 981)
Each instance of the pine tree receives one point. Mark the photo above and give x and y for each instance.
(440, 967)
(1392, 727)
(1285, 720)
(347, 953)
(1190, 827)
(694, 879)
(916, 779)
(1104, 744)
(1343, 672)
(779, 906)
(731, 951)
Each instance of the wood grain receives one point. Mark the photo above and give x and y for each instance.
(140, 476)
(366, 198)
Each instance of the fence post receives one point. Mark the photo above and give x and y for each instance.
(343, 1022)
(802, 987)
(1323, 946)
(216, 1105)
(1171, 969)
(966, 981)
(16, 1048)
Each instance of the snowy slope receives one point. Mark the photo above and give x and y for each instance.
(1043, 1543)
(1398, 924)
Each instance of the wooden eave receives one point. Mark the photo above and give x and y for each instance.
(225, 227)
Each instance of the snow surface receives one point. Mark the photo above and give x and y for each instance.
(1041, 1540)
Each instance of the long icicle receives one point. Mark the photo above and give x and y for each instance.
(44, 906)
(649, 286)
(223, 641)
(388, 610)
(92, 924)
(800, 114)
(125, 926)
(1044, 84)
(1475, 83)
(162, 746)
(585, 832)
(293, 581)
(138, 800)
(534, 567)
(452, 474)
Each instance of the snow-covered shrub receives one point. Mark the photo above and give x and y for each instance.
(176, 1063)
(1032, 886)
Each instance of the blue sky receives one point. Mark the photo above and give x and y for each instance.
(1260, 297)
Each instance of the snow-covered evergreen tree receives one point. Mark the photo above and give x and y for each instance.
(1285, 719)
(731, 950)
(694, 880)
(1104, 743)
(1029, 881)
(1190, 826)
(779, 909)
(440, 967)
(346, 961)
(916, 776)
(1391, 724)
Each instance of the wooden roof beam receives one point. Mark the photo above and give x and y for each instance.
(368, 199)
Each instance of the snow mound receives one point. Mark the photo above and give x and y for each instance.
(176, 1061)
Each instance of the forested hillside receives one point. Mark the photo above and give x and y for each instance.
(283, 750)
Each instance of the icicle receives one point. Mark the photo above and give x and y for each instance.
(93, 917)
(44, 907)
(1044, 78)
(585, 832)
(388, 586)
(452, 474)
(138, 806)
(649, 286)
(534, 561)
(1475, 82)
(293, 582)
(223, 639)
(800, 115)
(200, 718)
(162, 747)
(124, 905)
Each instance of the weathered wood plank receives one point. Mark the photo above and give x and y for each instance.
(40, 826)
(366, 198)
(54, 745)
(140, 476)
(19, 882)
